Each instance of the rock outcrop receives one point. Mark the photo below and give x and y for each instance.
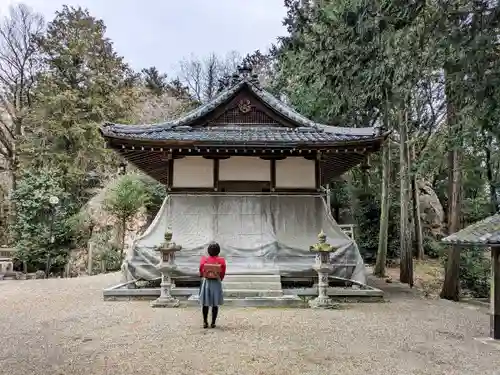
(431, 210)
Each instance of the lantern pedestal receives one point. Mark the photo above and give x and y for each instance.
(165, 299)
(167, 267)
(322, 301)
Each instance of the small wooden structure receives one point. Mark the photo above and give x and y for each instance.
(485, 233)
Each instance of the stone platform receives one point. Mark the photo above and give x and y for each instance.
(250, 290)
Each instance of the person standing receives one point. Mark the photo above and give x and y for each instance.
(212, 271)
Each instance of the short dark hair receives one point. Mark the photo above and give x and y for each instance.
(213, 249)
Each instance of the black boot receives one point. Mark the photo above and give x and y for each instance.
(204, 310)
(215, 311)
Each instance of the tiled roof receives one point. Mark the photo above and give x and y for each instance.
(244, 134)
(485, 232)
(178, 129)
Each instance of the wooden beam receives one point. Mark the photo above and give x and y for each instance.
(495, 293)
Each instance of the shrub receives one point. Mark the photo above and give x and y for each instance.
(433, 248)
(124, 200)
(367, 216)
(40, 231)
(475, 272)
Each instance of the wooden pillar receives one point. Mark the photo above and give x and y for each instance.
(170, 172)
(495, 293)
(273, 174)
(317, 171)
(216, 174)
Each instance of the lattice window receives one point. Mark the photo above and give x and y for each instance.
(235, 116)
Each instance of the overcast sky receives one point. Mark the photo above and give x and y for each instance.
(162, 32)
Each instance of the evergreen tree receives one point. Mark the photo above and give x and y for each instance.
(84, 83)
(155, 81)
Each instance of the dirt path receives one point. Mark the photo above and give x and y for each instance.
(63, 327)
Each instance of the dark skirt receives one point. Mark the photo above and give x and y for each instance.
(211, 293)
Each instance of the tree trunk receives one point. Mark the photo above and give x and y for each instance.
(419, 244)
(67, 268)
(47, 266)
(384, 214)
(406, 265)
(90, 246)
(489, 175)
(122, 239)
(365, 179)
(451, 285)
(12, 204)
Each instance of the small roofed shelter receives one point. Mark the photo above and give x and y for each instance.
(485, 233)
(245, 170)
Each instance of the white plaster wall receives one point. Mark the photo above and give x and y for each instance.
(193, 172)
(295, 173)
(244, 168)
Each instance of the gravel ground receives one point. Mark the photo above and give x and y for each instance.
(61, 327)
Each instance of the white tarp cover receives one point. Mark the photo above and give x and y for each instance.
(257, 233)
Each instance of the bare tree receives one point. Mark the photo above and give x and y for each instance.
(202, 75)
(152, 108)
(18, 70)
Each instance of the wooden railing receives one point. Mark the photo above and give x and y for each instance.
(348, 229)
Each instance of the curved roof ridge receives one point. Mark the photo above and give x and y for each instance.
(290, 112)
(274, 103)
(191, 115)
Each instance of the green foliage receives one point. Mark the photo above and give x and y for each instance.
(155, 81)
(156, 193)
(339, 197)
(367, 216)
(126, 198)
(37, 220)
(475, 272)
(108, 256)
(84, 83)
(433, 248)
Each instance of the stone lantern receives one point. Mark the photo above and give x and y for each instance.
(323, 268)
(167, 266)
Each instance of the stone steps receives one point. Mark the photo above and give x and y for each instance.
(283, 301)
(244, 286)
(265, 278)
(245, 293)
(252, 285)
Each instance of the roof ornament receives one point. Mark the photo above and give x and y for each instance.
(245, 70)
(244, 73)
(224, 83)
